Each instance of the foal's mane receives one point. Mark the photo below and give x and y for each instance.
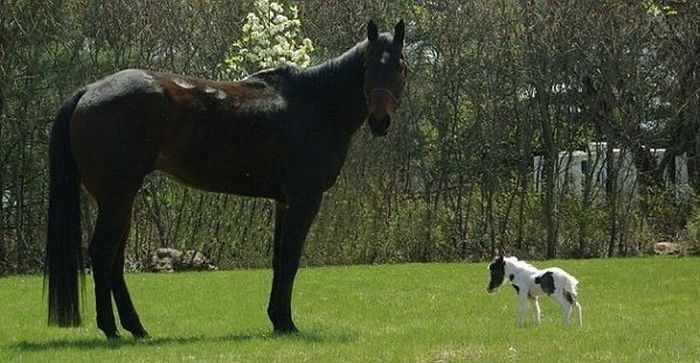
(519, 263)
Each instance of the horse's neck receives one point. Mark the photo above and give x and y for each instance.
(337, 87)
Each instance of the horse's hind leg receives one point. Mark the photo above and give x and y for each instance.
(127, 313)
(112, 225)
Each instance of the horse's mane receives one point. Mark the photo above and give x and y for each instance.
(352, 60)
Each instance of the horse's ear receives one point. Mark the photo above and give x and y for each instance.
(372, 31)
(398, 33)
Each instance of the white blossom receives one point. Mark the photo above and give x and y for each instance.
(269, 38)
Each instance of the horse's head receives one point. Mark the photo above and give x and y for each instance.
(497, 269)
(385, 75)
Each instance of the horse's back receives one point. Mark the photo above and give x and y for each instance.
(125, 83)
(217, 136)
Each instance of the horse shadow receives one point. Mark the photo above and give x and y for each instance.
(101, 343)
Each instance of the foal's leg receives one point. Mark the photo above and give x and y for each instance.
(522, 307)
(112, 220)
(579, 314)
(536, 312)
(292, 223)
(565, 307)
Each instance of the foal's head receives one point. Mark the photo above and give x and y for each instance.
(385, 75)
(497, 268)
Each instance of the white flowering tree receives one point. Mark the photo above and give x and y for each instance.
(270, 38)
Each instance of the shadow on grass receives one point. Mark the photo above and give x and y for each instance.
(102, 343)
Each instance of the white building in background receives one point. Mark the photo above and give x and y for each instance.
(571, 168)
(6, 199)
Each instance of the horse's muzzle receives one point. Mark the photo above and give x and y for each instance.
(379, 126)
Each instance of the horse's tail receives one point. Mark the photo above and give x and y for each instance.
(64, 262)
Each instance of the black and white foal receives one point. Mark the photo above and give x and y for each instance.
(529, 283)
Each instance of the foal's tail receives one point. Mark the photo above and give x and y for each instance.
(64, 260)
(570, 292)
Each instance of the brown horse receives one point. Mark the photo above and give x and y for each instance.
(281, 134)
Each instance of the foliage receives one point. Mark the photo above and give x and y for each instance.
(691, 233)
(269, 38)
(404, 313)
(490, 86)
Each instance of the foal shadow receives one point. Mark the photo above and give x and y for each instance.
(102, 343)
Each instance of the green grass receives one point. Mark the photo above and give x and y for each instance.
(636, 310)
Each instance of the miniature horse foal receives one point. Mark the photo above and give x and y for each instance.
(529, 283)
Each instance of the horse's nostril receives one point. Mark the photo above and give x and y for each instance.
(387, 121)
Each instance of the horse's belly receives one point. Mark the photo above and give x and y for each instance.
(247, 179)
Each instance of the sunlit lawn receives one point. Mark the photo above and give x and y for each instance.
(634, 310)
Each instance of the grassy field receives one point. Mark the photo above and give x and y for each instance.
(636, 310)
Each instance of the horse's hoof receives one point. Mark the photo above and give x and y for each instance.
(286, 329)
(113, 336)
(143, 334)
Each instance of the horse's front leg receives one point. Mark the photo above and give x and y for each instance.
(292, 222)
